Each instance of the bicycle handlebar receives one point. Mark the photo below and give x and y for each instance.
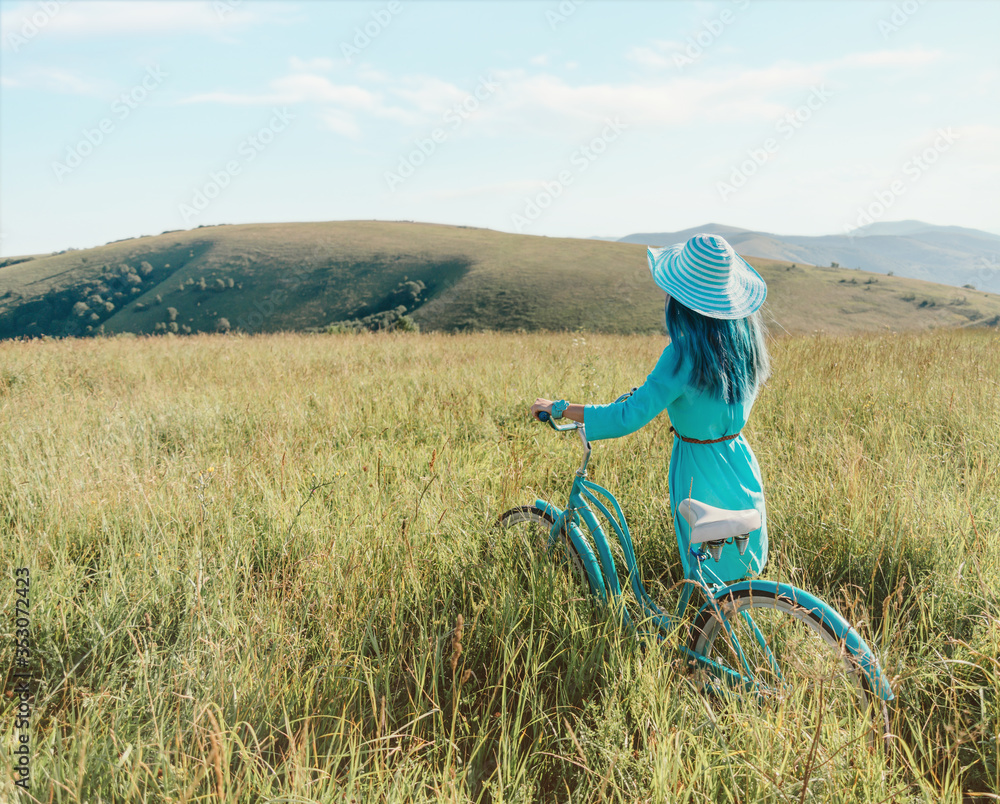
(543, 416)
(626, 395)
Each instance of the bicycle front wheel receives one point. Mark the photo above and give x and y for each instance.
(790, 660)
(533, 528)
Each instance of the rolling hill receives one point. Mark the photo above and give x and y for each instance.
(952, 255)
(309, 276)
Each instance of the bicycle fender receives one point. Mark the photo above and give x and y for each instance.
(590, 562)
(549, 509)
(583, 548)
(604, 552)
(833, 621)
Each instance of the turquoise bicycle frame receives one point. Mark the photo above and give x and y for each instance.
(606, 584)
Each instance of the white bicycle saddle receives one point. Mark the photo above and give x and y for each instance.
(710, 524)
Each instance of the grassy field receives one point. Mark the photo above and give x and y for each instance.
(297, 276)
(265, 569)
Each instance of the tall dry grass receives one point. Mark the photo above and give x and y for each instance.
(250, 557)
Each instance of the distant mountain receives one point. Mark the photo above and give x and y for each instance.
(906, 228)
(951, 255)
(341, 275)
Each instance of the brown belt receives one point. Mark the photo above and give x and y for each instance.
(697, 441)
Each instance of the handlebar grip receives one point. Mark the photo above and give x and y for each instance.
(546, 417)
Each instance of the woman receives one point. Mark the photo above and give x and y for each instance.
(707, 380)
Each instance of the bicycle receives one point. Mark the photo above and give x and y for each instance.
(755, 638)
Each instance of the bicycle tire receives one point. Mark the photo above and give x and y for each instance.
(820, 686)
(538, 539)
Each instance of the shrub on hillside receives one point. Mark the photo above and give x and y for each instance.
(387, 320)
(406, 324)
(342, 328)
(408, 291)
(172, 313)
(222, 325)
(80, 309)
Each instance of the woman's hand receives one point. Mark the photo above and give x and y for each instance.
(574, 412)
(541, 405)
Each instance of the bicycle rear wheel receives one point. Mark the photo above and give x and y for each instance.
(533, 528)
(799, 667)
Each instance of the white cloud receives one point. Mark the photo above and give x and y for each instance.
(341, 122)
(306, 88)
(423, 99)
(536, 101)
(340, 103)
(656, 55)
(532, 102)
(63, 81)
(51, 79)
(915, 57)
(660, 54)
(85, 18)
(427, 94)
(294, 89)
(540, 100)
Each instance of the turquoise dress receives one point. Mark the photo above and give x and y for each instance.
(725, 475)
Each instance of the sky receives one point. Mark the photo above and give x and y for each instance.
(570, 118)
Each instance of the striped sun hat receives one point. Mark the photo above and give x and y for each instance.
(706, 275)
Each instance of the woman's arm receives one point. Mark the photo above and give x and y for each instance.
(573, 412)
(662, 386)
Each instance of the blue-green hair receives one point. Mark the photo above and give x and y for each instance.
(728, 357)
